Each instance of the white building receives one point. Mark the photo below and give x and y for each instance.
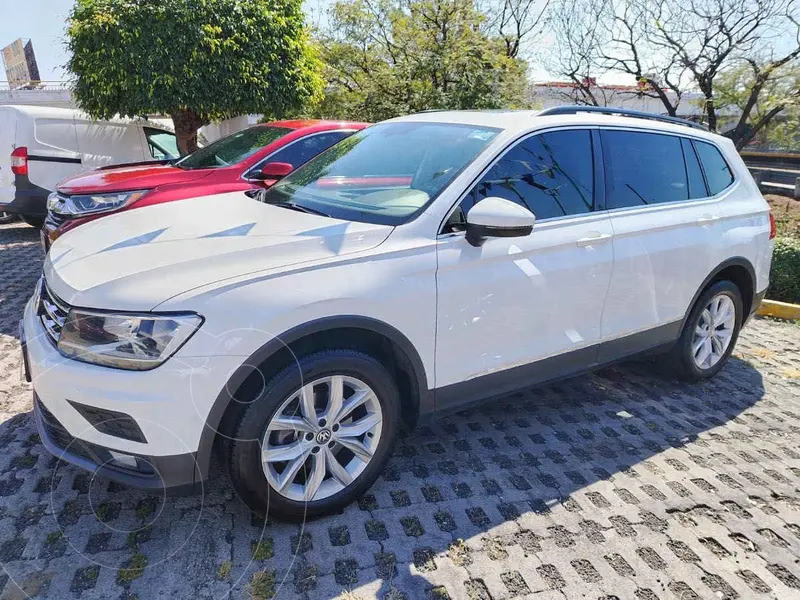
(558, 93)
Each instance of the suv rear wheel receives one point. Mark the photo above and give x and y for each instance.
(315, 437)
(710, 332)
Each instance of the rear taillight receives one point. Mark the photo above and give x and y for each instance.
(773, 230)
(19, 161)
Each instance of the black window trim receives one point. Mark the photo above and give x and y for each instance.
(690, 144)
(692, 139)
(266, 159)
(598, 191)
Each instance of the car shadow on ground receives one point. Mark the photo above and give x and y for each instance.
(497, 475)
(20, 267)
(495, 480)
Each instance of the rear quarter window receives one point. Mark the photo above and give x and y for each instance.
(57, 133)
(718, 174)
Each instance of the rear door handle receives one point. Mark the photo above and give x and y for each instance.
(595, 238)
(706, 219)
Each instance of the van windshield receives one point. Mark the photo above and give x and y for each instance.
(384, 174)
(233, 148)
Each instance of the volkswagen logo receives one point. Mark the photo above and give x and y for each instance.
(324, 436)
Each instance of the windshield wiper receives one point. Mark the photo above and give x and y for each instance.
(299, 208)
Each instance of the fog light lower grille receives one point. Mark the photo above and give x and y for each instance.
(111, 422)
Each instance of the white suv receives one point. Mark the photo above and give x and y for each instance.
(397, 274)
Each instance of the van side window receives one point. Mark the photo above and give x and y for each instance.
(550, 174)
(718, 173)
(643, 168)
(697, 185)
(162, 144)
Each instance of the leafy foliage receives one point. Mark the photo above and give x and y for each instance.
(196, 60)
(777, 108)
(785, 273)
(390, 57)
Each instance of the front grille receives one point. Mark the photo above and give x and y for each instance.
(52, 312)
(53, 221)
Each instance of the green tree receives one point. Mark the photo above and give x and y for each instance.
(766, 96)
(390, 57)
(195, 60)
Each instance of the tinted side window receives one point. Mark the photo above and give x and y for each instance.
(697, 185)
(718, 174)
(643, 169)
(550, 174)
(303, 150)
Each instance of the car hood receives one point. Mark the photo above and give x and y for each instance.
(135, 177)
(137, 259)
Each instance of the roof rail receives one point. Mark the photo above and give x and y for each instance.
(623, 112)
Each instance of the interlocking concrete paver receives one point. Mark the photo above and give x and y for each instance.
(620, 484)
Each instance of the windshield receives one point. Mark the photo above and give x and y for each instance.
(234, 148)
(384, 174)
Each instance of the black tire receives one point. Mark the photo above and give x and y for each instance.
(682, 356)
(6, 218)
(33, 221)
(244, 449)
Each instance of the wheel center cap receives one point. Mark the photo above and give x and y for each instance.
(324, 436)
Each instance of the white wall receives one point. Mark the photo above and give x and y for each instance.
(214, 131)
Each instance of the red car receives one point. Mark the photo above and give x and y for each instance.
(255, 157)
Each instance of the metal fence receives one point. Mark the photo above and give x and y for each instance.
(776, 173)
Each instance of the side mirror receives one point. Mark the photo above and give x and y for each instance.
(272, 170)
(497, 217)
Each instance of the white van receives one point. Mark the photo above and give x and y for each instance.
(40, 146)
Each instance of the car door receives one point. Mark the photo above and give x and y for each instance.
(667, 236)
(513, 301)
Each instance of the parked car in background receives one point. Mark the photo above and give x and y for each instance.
(40, 146)
(419, 265)
(255, 157)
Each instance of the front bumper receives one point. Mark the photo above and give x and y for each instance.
(178, 474)
(168, 406)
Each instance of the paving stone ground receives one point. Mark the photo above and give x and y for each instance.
(621, 484)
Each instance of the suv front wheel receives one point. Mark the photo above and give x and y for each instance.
(710, 332)
(317, 436)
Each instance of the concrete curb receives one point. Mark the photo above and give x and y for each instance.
(781, 310)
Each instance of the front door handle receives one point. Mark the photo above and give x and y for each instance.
(595, 238)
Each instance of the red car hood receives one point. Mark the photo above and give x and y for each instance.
(142, 177)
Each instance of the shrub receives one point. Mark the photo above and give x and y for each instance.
(785, 274)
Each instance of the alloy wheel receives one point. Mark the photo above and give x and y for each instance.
(713, 331)
(321, 438)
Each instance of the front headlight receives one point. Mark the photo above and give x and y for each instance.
(135, 342)
(89, 204)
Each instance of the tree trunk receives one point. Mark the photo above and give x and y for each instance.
(187, 122)
(711, 112)
(741, 140)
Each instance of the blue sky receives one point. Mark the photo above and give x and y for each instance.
(43, 22)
